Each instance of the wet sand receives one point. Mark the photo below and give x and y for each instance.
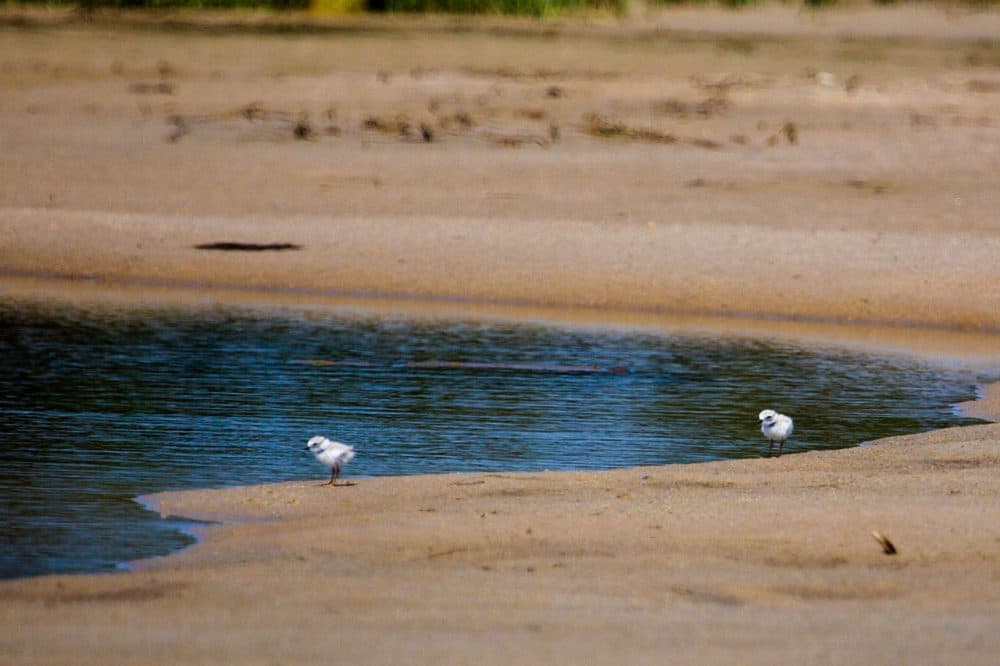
(665, 171)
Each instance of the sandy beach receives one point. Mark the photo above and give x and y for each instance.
(828, 178)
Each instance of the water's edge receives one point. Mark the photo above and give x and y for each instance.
(199, 528)
(191, 527)
(975, 347)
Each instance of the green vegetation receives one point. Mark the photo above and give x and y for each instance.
(204, 4)
(817, 4)
(513, 7)
(176, 4)
(517, 7)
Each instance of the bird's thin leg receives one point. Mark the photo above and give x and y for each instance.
(781, 445)
(333, 476)
(770, 445)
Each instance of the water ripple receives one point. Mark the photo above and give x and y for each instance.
(97, 407)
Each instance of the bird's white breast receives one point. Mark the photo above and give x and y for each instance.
(334, 453)
(779, 429)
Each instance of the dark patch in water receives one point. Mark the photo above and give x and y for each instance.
(516, 367)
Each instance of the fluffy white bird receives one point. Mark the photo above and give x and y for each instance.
(332, 454)
(776, 427)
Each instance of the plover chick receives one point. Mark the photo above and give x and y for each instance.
(332, 454)
(776, 427)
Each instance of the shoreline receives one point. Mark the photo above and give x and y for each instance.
(976, 348)
(777, 549)
(985, 407)
(694, 269)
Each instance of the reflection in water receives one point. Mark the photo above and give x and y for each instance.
(97, 407)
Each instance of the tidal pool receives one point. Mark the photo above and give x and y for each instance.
(98, 406)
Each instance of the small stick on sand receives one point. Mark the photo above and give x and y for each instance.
(887, 546)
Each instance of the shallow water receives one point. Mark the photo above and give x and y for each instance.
(97, 407)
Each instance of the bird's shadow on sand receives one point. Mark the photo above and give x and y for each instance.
(345, 484)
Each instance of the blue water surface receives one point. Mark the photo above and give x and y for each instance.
(98, 406)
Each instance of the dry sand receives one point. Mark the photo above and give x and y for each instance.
(798, 169)
(812, 175)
